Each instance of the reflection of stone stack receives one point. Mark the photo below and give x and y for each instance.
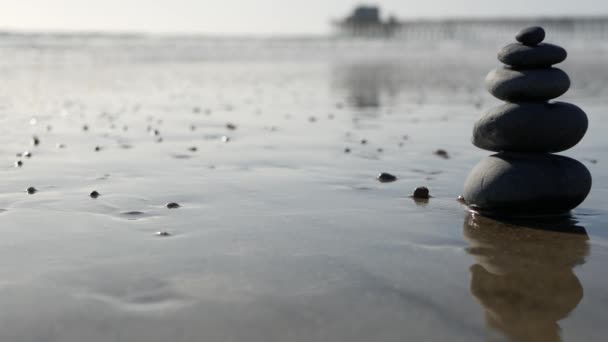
(525, 178)
(523, 276)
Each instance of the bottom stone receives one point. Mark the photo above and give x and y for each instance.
(518, 184)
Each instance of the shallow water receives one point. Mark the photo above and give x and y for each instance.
(281, 235)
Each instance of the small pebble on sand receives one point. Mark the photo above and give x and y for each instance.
(421, 192)
(347, 150)
(231, 126)
(442, 153)
(97, 148)
(35, 141)
(94, 194)
(225, 139)
(193, 149)
(18, 163)
(172, 205)
(163, 234)
(461, 199)
(31, 190)
(363, 141)
(386, 177)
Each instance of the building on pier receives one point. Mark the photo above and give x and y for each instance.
(367, 21)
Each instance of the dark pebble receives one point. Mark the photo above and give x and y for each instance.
(592, 161)
(526, 57)
(193, 149)
(527, 184)
(312, 119)
(230, 126)
(18, 163)
(27, 154)
(347, 150)
(531, 84)
(363, 141)
(97, 148)
(173, 205)
(442, 153)
(380, 150)
(531, 35)
(85, 128)
(386, 177)
(225, 139)
(35, 141)
(421, 192)
(530, 127)
(163, 233)
(31, 190)
(94, 194)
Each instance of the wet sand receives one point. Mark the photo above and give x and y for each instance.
(272, 149)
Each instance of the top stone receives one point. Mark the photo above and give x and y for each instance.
(531, 36)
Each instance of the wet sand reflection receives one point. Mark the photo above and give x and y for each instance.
(523, 276)
(368, 84)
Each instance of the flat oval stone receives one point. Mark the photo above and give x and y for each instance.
(530, 127)
(520, 85)
(523, 184)
(531, 35)
(540, 56)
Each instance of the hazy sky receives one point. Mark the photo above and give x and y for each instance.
(252, 16)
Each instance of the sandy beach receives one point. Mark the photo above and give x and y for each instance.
(271, 148)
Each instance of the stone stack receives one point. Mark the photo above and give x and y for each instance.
(525, 177)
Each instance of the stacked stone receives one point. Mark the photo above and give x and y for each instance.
(525, 177)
